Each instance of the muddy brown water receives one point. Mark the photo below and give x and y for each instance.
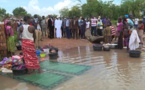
(113, 70)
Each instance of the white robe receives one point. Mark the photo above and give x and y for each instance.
(134, 40)
(58, 24)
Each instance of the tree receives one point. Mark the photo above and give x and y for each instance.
(19, 11)
(92, 8)
(64, 12)
(29, 14)
(133, 6)
(75, 11)
(54, 15)
(85, 10)
(105, 9)
(2, 13)
(38, 16)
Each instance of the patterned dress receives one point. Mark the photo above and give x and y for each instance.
(28, 48)
(10, 40)
(29, 52)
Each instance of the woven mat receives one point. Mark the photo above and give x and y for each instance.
(64, 67)
(54, 74)
(45, 80)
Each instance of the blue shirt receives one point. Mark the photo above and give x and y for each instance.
(130, 22)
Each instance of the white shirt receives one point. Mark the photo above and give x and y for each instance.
(38, 27)
(36, 20)
(136, 21)
(26, 34)
(87, 24)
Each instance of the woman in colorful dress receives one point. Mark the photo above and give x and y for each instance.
(28, 46)
(10, 38)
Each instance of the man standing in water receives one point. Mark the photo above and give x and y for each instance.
(28, 47)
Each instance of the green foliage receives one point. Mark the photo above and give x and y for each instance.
(19, 11)
(133, 6)
(114, 22)
(92, 8)
(2, 13)
(29, 14)
(54, 15)
(38, 16)
(106, 9)
(75, 12)
(64, 12)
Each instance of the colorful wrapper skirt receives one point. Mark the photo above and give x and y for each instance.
(29, 52)
(11, 44)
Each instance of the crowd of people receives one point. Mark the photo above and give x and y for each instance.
(33, 30)
(75, 28)
(65, 27)
(125, 26)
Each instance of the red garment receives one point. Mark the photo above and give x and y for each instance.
(142, 27)
(29, 52)
(30, 24)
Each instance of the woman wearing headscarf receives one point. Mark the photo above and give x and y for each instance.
(28, 46)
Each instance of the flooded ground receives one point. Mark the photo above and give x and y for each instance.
(113, 70)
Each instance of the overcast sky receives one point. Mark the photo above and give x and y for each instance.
(41, 7)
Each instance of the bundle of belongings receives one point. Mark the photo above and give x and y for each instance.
(14, 64)
(5, 65)
(18, 65)
(49, 50)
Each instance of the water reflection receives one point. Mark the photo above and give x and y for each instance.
(113, 70)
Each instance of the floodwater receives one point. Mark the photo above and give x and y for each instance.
(113, 70)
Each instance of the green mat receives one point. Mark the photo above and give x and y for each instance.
(55, 73)
(46, 80)
(64, 67)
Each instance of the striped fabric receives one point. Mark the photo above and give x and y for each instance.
(113, 30)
